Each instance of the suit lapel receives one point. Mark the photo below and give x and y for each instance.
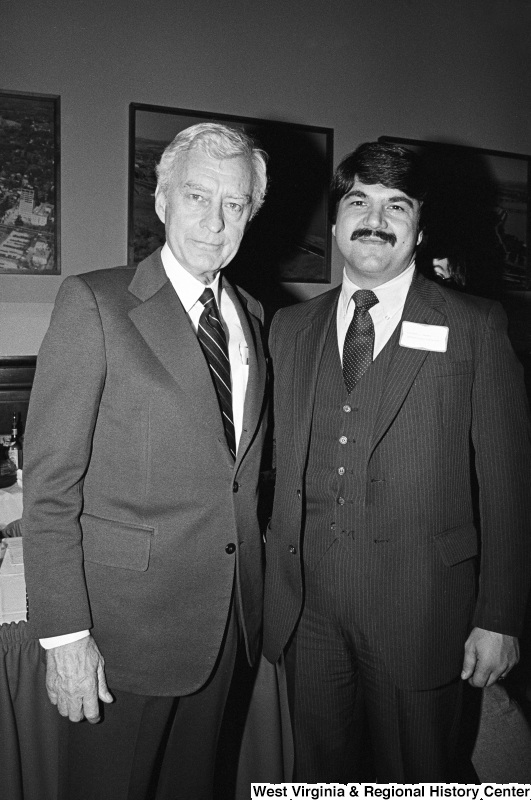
(309, 345)
(254, 396)
(165, 327)
(424, 304)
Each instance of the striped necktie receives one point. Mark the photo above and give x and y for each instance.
(213, 341)
(359, 341)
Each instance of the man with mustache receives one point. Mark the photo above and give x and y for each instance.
(403, 473)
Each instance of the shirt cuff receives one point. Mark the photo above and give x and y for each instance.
(57, 641)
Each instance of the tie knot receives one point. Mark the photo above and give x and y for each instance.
(207, 298)
(365, 299)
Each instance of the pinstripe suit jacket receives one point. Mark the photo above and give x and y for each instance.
(445, 422)
(130, 493)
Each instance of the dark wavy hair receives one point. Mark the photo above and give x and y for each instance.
(378, 162)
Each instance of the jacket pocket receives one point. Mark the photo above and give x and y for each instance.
(457, 544)
(116, 544)
(446, 369)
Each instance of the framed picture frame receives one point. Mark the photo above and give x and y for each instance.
(483, 204)
(29, 184)
(290, 239)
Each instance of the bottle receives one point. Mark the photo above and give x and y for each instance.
(14, 450)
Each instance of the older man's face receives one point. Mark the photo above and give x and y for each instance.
(205, 211)
(377, 231)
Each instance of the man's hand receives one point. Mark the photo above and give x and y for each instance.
(75, 679)
(12, 529)
(489, 656)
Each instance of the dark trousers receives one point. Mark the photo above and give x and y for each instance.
(150, 748)
(337, 683)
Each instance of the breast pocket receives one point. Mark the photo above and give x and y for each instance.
(440, 366)
(448, 386)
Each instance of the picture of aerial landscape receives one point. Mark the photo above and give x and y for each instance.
(29, 151)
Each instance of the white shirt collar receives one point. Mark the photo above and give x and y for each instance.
(188, 288)
(391, 295)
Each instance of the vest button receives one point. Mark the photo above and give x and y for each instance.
(332, 526)
(235, 486)
(292, 549)
(343, 440)
(347, 408)
(341, 470)
(299, 493)
(230, 548)
(341, 501)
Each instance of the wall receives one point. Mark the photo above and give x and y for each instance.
(414, 68)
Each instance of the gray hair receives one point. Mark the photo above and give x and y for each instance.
(217, 141)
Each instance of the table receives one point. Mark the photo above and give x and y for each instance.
(29, 724)
(10, 504)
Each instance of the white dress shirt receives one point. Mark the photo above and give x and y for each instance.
(386, 314)
(189, 290)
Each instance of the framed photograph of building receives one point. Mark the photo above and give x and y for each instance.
(481, 207)
(290, 239)
(29, 184)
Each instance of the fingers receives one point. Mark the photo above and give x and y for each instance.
(73, 703)
(75, 680)
(52, 694)
(90, 709)
(71, 707)
(103, 690)
(481, 670)
(469, 662)
(489, 656)
(482, 678)
(12, 529)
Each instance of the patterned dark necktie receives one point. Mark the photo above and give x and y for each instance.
(359, 341)
(212, 339)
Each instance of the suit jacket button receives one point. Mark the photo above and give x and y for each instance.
(292, 549)
(235, 486)
(230, 548)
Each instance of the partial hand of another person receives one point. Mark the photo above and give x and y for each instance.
(75, 680)
(489, 656)
(12, 529)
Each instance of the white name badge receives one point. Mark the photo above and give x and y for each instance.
(424, 337)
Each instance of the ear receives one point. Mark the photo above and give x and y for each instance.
(333, 230)
(419, 237)
(160, 204)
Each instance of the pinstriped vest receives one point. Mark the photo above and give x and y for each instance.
(341, 436)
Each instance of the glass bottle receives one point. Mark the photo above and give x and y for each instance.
(14, 449)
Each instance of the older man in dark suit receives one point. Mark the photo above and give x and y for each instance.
(143, 449)
(395, 400)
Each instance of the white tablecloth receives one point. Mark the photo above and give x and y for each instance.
(10, 504)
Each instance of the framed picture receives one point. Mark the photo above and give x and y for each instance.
(29, 184)
(290, 239)
(481, 207)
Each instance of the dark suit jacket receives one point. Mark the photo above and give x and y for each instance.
(131, 497)
(445, 421)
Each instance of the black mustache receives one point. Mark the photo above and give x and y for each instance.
(367, 233)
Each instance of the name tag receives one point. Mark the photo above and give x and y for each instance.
(424, 337)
